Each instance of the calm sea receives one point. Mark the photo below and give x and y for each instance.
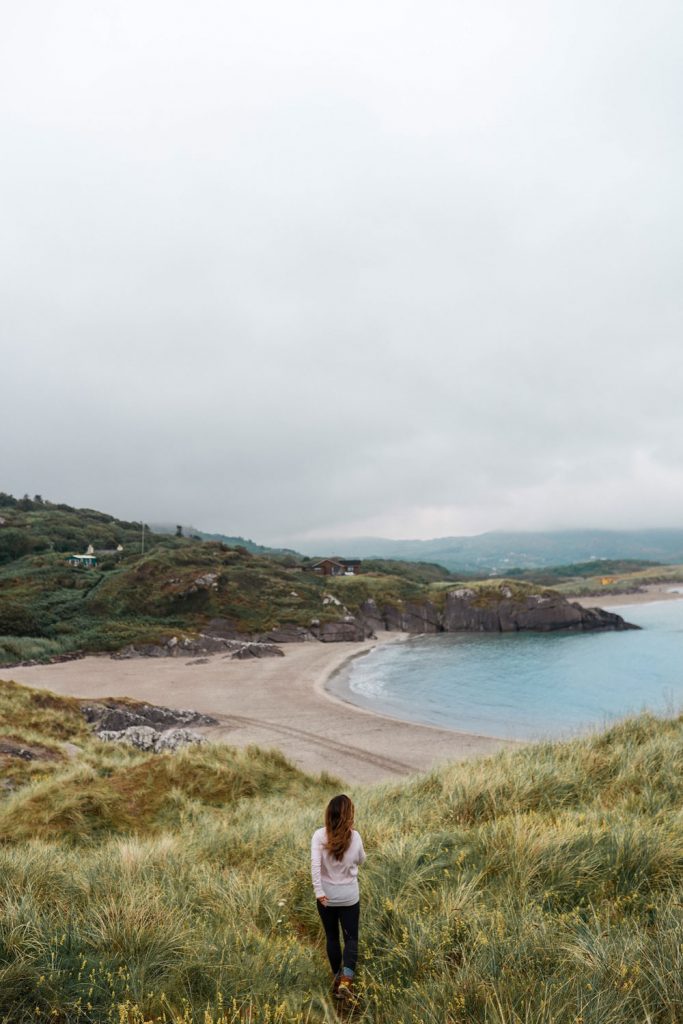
(527, 685)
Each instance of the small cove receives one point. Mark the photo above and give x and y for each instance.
(526, 686)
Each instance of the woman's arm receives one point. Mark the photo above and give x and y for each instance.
(316, 858)
(361, 852)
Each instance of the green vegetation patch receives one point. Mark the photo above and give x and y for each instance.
(491, 592)
(417, 572)
(40, 712)
(117, 791)
(383, 589)
(49, 607)
(34, 725)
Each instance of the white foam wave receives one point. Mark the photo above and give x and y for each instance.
(367, 681)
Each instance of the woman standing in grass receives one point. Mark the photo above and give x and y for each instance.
(336, 853)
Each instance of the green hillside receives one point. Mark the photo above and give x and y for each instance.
(177, 584)
(49, 608)
(231, 541)
(34, 526)
(544, 885)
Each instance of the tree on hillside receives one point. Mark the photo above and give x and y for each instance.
(178, 531)
(15, 543)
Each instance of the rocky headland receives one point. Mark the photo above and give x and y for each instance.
(492, 609)
(496, 607)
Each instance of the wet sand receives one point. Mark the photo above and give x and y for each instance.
(273, 702)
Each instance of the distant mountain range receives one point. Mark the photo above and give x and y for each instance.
(486, 552)
(498, 551)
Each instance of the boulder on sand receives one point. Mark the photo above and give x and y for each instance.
(258, 650)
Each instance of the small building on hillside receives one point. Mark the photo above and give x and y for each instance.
(84, 561)
(89, 559)
(336, 566)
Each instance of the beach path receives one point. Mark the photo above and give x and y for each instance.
(272, 702)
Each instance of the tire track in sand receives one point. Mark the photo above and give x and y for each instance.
(378, 760)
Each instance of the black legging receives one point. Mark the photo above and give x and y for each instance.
(348, 918)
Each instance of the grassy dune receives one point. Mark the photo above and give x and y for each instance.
(544, 885)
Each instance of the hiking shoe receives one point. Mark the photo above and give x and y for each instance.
(335, 983)
(344, 988)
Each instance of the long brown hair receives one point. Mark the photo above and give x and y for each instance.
(339, 815)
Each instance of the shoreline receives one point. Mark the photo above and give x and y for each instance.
(652, 594)
(275, 702)
(290, 703)
(398, 638)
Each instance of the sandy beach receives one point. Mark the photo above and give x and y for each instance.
(283, 703)
(273, 702)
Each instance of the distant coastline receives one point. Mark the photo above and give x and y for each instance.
(646, 595)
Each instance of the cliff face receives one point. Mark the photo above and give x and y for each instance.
(488, 608)
(499, 610)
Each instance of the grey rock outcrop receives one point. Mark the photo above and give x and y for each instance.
(144, 737)
(413, 617)
(171, 739)
(223, 629)
(598, 618)
(141, 651)
(498, 607)
(257, 650)
(421, 618)
(372, 618)
(344, 630)
(144, 726)
(204, 644)
(497, 611)
(56, 659)
(118, 716)
(288, 634)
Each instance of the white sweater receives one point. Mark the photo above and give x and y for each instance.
(336, 879)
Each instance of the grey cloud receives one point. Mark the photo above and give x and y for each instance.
(284, 269)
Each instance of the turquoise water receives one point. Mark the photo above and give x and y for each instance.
(527, 685)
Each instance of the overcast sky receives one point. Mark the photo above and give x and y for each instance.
(297, 269)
